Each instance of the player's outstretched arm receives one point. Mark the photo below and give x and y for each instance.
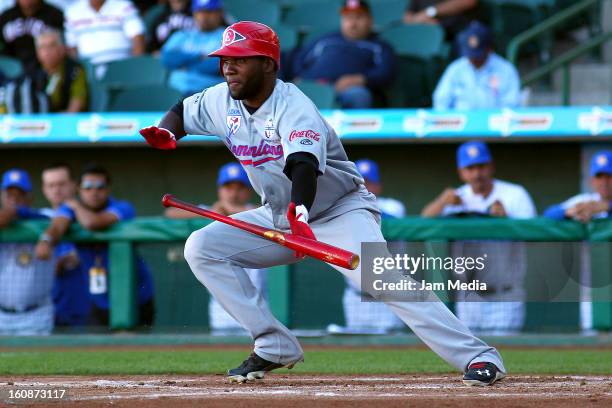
(165, 135)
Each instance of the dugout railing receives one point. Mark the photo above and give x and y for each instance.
(123, 238)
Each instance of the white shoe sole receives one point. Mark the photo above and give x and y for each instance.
(498, 376)
(254, 375)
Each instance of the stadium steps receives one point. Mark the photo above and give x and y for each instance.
(591, 81)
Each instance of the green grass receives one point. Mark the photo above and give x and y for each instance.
(328, 361)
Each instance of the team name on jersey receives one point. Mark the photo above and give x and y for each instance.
(263, 149)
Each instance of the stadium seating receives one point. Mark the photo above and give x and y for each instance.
(315, 15)
(10, 67)
(135, 71)
(387, 13)
(287, 36)
(323, 95)
(144, 98)
(266, 12)
(508, 18)
(421, 51)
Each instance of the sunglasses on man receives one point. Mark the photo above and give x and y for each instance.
(93, 185)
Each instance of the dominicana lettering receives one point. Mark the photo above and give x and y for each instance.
(263, 149)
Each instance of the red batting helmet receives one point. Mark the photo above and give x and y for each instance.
(249, 39)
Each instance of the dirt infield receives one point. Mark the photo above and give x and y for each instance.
(313, 391)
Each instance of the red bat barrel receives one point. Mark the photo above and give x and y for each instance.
(311, 247)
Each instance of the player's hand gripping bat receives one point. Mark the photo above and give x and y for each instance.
(311, 247)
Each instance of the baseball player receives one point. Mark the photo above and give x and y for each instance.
(233, 192)
(26, 307)
(501, 310)
(369, 317)
(586, 207)
(296, 163)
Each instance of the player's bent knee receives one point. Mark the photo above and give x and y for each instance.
(195, 247)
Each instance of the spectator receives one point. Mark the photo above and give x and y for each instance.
(70, 289)
(62, 79)
(452, 15)
(234, 193)
(20, 24)
(97, 210)
(176, 16)
(25, 282)
(102, 31)
(501, 309)
(186, 52)
(354, 60)
(369, 317)
(480, 79)
(587, 206)
(58, 84)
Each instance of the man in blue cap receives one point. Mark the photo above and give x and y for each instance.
(26, 307)
(233, 193)
(480, 79)
(389, 207)
(501, 309)
(369, 317)
(186, 51)
(587, 206)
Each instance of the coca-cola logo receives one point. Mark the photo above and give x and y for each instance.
(308, 134)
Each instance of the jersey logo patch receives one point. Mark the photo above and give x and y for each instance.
(232, 36)
(304, 134)
(306, 142)
(270, 132)
(233, 121)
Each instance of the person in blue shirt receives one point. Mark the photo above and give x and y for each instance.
(354, 60)
(97, 210)
(480, 79)
(70, 291)
(185, 53)
(587, 206)
(26, 307)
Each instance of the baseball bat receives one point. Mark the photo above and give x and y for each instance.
(311, 247)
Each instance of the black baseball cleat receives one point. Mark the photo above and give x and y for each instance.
(253, 368)
(482, 374)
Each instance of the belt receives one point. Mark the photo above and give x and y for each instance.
(13, 310)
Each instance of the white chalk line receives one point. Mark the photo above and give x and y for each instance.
(296, 393)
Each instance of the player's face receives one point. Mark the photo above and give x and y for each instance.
(14, 196)
(356, 25)
(234, 193)
(244, 76)
(602, 183)
(478, 176)
(94, 191)
(208, 20)
(57, 186)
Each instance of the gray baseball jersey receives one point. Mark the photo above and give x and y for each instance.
(287, 122)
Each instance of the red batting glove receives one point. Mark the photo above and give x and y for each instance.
(298, 221)
(159, 138)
